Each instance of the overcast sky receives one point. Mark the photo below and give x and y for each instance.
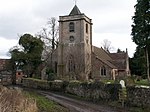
(111, 20)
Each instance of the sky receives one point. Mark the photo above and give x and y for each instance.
(112, 20)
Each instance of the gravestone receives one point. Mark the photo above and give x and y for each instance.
(122, 83)
(122, 93)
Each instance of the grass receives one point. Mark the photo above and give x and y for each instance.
(108, 81)
(142, 82)
(44, 104)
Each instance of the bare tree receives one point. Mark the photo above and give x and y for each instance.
(49, 35)
(52, 23)
(106, 45)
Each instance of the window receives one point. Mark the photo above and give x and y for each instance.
(71, 27)
(71, 38)
(19, 73)
(71, 64)
(86, 28)
(103, 71)
(87, 40)
(55, 67)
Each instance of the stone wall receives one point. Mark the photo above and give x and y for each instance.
(35, 83)
(138, 96)
(94, 91)
(43, 84)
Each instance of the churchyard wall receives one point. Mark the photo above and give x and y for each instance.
(94, 91)
(138, 96)
(89, 90)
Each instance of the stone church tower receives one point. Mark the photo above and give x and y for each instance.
(75, 46)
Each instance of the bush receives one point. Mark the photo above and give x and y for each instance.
(51, 75)
(130, 81)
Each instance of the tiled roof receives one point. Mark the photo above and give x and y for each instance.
(100, 52)
(116, 56)
(103, 56)
(75, 11)
(119, 59)
(114, 60)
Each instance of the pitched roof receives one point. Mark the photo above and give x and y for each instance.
(103, 56)
(75, 11)
(116, 56)
(119, 59)
(100, 52)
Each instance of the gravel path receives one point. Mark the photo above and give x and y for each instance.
(78, 106)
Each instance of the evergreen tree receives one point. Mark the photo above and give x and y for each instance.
(138, 63)
(27, 56)
(141, 28)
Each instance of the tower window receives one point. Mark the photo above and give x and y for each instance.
(71, 64)
(87, 40)
(55, 67)
(71, 27)
(86, 28)
(71, 38)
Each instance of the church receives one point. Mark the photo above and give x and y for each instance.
(77, 59)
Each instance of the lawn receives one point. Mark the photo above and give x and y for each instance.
(142, 82)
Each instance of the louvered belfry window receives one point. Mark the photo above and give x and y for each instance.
(71, 27)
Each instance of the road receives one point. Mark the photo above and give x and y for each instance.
(79, 106)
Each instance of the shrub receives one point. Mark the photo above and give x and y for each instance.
(129, 81)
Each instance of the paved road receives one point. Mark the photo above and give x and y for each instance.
(78, 106)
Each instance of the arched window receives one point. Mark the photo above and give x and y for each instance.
(86, 28)
(71, 27)
(71, 38)
(55, 67)
(71, 64)
(103, 71)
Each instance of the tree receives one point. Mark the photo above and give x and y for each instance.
(138, 63)
(119, 51)
(141, 28)
(106, 45)
(27, 56)
(14, 52)
(49, 35)
(53, 31)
